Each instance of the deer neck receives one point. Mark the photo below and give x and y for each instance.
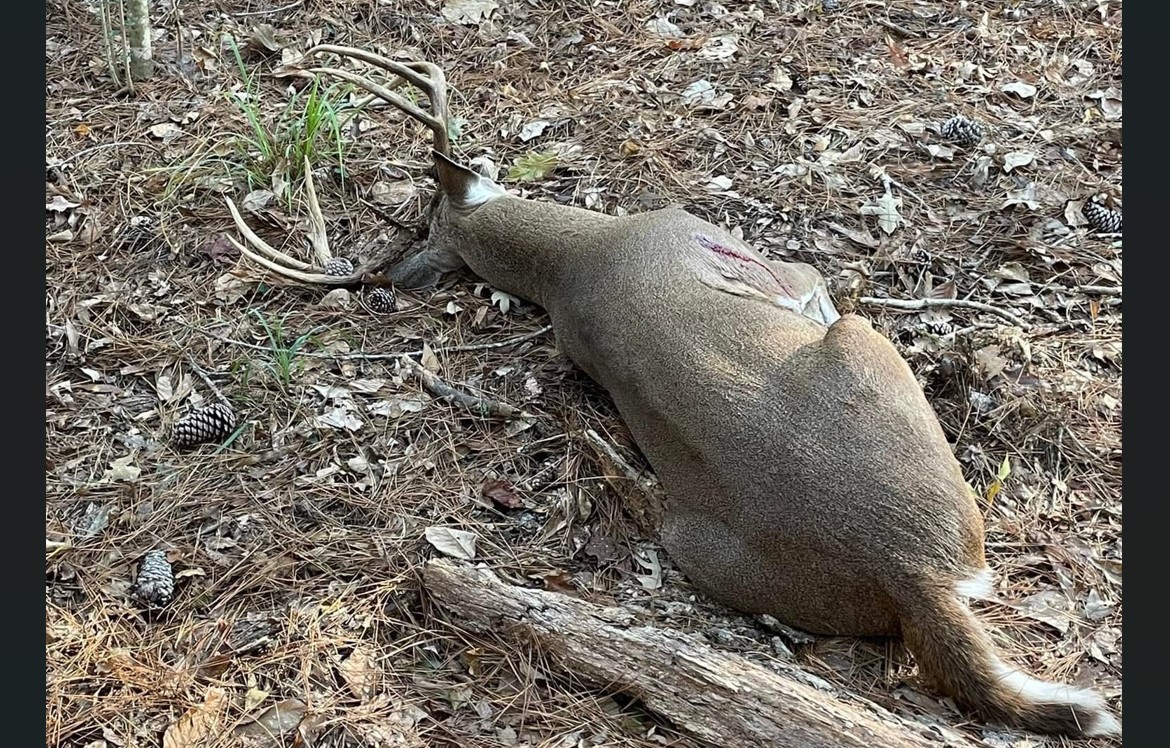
(527, 248)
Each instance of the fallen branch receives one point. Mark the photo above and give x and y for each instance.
(473, 403)
(917, 305)
(715, 696)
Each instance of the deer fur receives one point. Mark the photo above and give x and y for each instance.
(806, 475)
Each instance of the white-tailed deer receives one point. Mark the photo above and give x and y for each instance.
(806, 474)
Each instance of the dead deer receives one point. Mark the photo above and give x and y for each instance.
(806, 474)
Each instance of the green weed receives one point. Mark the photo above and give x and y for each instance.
(309, 127)
(283, 363)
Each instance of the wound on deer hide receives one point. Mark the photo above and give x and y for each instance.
(737, 266)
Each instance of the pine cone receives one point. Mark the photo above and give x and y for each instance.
(339, 266)
(961, 130)
(381, 300)
(209, 423)
(156, 580)
(1101, 218)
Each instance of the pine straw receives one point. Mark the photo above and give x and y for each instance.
(284, 533)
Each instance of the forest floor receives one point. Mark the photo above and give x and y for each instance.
(811, 128)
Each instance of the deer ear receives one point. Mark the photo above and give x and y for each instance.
(463, 187)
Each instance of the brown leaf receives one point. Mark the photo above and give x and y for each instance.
(1013, 271)
(277, 719)
(451, 542)
(559, 581)
(751, 101)
(429, 360)
(502, 493)
(200, 726)
(944, 291)
(91, 230)
(360, 672)
(165, 131)
(604, 549)
(860, 236)
(219, 249)
(264, 36)
(897, 54)
(989, 361)
(60, 205)
(1048, 606)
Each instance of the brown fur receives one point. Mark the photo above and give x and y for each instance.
(807, 476)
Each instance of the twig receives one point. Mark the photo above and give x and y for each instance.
(902, 30)
(1103, 290)
(629, 472)
(129, 82)
(379, 356)
(906, 189)
(108, 36)
(277, 453)
(1072, 324)
(917, 305)
(961, 331)
(395, 222)
(268, 11)
(641, 494)
(207, 380)
(100, 146)
(498, 344)
(473, 403)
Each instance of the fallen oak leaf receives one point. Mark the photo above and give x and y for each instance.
(121, 469)
(1019, 88)
(468, 12)
(451, 542)
(886, 209)
(59, 204)
(166, 131)
(360, 673)
(1016, 159)
(501, 492)
(200, 726)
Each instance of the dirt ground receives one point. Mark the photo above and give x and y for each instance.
(812, 128)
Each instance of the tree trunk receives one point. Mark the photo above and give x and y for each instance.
(715, 696)
(137, 33)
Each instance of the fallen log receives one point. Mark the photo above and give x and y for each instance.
(716, 696)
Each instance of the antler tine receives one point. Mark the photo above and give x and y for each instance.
(425, 76)
(260, 244)
(282, 264)
(317, 236)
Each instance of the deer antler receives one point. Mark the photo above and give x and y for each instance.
(290, 267)
(425, 76)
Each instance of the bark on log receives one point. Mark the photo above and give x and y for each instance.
(716, 696)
